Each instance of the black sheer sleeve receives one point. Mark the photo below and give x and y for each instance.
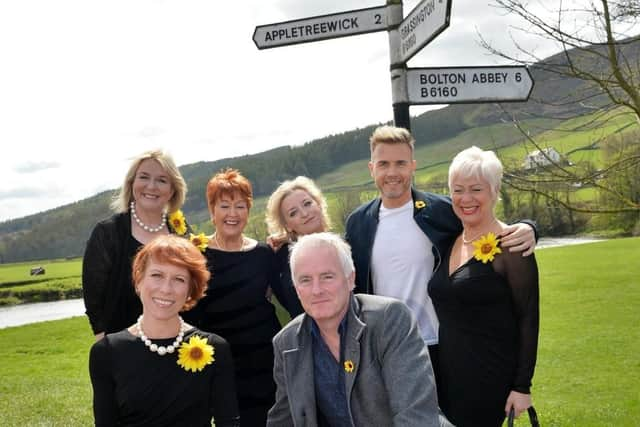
(105, 410)
(97, 264)
(223, 401)
(522, 275)
(531, 223)
(282, 284)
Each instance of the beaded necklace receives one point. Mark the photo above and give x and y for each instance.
(160, 349)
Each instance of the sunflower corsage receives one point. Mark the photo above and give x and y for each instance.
(348, 366)
(486, 247)
(196, 354)
(178, 223)
(419, 204)
(199, 240)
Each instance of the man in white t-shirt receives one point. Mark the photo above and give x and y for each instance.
(394, 255)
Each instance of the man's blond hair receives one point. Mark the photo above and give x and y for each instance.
(390, 135)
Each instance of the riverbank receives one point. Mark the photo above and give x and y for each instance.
(552, 242)
(23, 314)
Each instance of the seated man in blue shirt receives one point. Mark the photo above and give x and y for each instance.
(349, 360)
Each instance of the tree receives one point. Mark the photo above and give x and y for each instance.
(600, 57)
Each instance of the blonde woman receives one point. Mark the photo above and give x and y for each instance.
(153, 187)
(296, 208)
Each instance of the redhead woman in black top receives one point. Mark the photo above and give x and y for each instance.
(236, 306)
(161, 371)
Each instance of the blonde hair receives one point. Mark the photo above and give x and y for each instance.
(276, 223)
(124, 197)
(391, 135)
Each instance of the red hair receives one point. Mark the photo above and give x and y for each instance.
(230, 183)
(178, 251)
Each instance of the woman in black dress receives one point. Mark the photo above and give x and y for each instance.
(152, 187)
(487, 304)
(296, 208)
(161, 371)
(236, 305)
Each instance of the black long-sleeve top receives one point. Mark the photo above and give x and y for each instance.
(109, 297)
(134, 387)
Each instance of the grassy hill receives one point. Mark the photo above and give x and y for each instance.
(338, 163)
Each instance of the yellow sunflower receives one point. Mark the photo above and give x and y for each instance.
(348, 366)
(196, 354)
(420, 204)
(486, 247)
(178, 223)
(199, 240)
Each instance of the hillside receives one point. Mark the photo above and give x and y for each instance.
(338, 162)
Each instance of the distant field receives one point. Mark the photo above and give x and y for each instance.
(587, 371)
(62, 279)
(54, 269)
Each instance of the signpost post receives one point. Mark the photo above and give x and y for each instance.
(456, 85)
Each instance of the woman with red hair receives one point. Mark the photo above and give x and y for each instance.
(236, 305)
(161, 371)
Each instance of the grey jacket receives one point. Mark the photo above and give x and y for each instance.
(392, 381)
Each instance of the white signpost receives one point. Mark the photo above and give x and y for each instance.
(321, 27)
(452, 85)
(428, 19)
(416, 86)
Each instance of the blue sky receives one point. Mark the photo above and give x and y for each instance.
(85, 85)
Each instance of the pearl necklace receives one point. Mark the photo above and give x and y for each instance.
(144, 226)
(160, 349)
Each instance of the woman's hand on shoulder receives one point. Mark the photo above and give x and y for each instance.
(275, 243)
(519, 401)
(518, 237)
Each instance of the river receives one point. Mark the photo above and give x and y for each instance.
(31, 313)
(23, 314)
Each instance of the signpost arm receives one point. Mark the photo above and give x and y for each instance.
(398, 68)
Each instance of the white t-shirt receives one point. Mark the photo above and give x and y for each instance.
(402, 264)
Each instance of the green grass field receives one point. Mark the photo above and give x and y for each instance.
(587, 372)
(54, 269)
(61, 280)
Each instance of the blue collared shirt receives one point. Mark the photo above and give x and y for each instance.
(331, 398)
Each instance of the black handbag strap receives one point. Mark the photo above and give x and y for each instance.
(533, 417)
